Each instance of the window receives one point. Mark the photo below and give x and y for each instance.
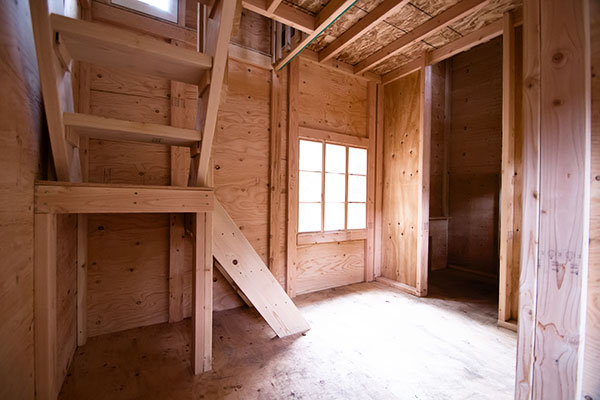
(332, 187)
(165, 9)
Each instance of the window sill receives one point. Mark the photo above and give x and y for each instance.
(331, 237)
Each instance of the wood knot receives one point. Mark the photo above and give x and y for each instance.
(558, 57)
(235, 262)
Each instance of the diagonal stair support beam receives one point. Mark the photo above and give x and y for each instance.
(218, 34)
(250, 274)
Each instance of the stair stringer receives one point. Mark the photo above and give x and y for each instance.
(245, 267)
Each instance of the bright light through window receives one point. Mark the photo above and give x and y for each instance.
(164, 9)
(332, 185)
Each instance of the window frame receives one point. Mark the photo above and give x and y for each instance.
(139, 6)
(323, 236)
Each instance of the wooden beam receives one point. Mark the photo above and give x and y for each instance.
(331, 237)
(56, 88)
(508, 168)
(332, 137)
(272, 5)
(423, 177)
(88, 198)
(284, 13)
(339, 66)
(93, 126)
(202, 296)
(554, 262)
(218, 31)
(123, 49)
(378, 184)
(465, 43)
(46, 372)
(326, 16)
(371, 162)
(383, 11)
(82, 268)
(292, 174)
(247, 269)
(275, 184)
(430, 27)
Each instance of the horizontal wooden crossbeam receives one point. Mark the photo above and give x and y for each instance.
(91, 198)
(112, 47)
(114, 129)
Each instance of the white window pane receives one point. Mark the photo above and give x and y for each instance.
(309, 217)
(335, 188)
(309, 186)
(357, 161)
(357, 188)
(311, 156)
(335, 158)
(166, 9)
(357, 216)
(334, 216)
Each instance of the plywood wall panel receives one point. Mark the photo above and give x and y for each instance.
(475, 158)
(109, 80)
(21, 162)
(328, 265)
(332, 100)
(130, 107)
(241, 152)
(401, 184)
(438, 97)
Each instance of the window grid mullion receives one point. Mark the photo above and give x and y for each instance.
(323, 187)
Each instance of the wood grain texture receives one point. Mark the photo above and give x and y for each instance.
(564, 198)
(328, 265)
(292, 174)
(332, 101)
(591, 362)
(438, 137)
(475, 158)
(438, 251)
(401, 182)
(24, 157)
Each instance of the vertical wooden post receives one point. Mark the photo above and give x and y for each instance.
(371, 154)
(424, 167)
(447, 133)
(82, 268)
(275, 261)
(292, 211)
(46, 385)
(378, 183)
(508, 168)
(202, 294)
(552, 308)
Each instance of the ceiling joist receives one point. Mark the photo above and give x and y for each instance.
(383, 11)
(430, 27)
(323, 19)
(283, 13)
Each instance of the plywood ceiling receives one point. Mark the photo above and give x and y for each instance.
(397, 25)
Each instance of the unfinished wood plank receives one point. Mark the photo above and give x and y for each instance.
(284, 13)
(82, 254)
(202, 298)
(430, 27)
(64, 198)
(252, 276)
(371, 151)
(332, 137)
(122, 49)
(292, 174)
(508, 168)
(378, 184)
(423, 178)
(46, 373)
(97, 127)
(326, 16)
(564, 198)
(275, 187)
(330, 237)
(56, 87)
(272, 5)
(383, 11)
(218, 33)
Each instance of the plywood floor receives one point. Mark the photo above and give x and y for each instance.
(367, 342)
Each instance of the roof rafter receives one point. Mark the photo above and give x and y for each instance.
(283, 13)
(432, 26)
(324, 18)
(383, 11)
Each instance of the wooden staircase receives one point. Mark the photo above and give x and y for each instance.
(60, 40)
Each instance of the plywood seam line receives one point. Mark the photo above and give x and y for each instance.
(322, 30)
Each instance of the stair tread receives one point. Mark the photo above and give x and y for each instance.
(115, 129)
(105, 45)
